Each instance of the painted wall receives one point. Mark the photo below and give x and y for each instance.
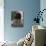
(1, 20)
(43, 6)
(29, 7)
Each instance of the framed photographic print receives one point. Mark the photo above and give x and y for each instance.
(17, 19)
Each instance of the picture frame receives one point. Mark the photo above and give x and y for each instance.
(17, 19)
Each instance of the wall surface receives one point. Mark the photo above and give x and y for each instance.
(43, 6)
(29, 7)
(1, 21)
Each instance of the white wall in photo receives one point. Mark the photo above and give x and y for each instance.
(1, 21)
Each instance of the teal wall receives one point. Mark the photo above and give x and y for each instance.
(43, 6)
(29, 7)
